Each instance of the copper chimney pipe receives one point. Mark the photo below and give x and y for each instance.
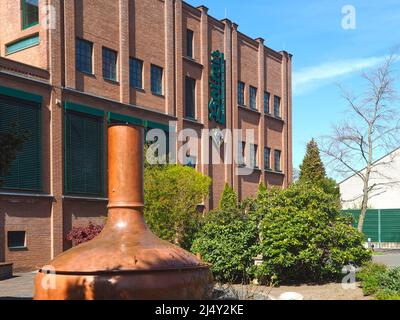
(126, 261)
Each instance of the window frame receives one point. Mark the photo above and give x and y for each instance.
(267, 102)
(132, 61)
(242, 154)
(83, 41)
(278, 164)
(11, 248)
(254, 156)
(267, 159)
(193, 92)
(115, 64)
(24, 10)
(279, 104)
(253, 98)
(190, 43)
(241, 93)
(155, 67)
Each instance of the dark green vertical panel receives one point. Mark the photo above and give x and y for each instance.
(84, 174)
(370, 228)
(390, 224)
(25, 173)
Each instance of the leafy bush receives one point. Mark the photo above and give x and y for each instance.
(370, 275)
(380, 281)
(172, 195)
(304, 237)
(84, 234)
(228, 239)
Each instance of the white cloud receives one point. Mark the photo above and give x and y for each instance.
(312, 77)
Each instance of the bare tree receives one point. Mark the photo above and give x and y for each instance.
(370, 131)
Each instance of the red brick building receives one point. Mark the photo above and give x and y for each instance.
(68, 68)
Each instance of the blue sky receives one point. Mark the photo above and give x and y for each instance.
(325, 54)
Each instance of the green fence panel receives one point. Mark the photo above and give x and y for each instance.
(390, 224)
(387, 229)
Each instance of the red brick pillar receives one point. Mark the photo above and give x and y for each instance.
(289, 120)
(286, 116)
(56, 132)
(228, 90)
(169, 58)
(204, 86)
(261, 89)
(124, 49)
(69, 46)
(235, 105)
(179, 97)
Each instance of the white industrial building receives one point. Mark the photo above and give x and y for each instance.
(386, 176)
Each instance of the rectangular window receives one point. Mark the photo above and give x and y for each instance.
(30, 13)
(83, 165)
(267, 158)
(241, 86)
(23, 44)
(254, 156)
(156, 79)
(267, 98)
(109, 64)
(242, 154)
(278, 166)
(22, 117)
(136, 73)
(16, 239)
(84, 55)
(189, 43)
(253, 98)
(190, 98)
(277, 107)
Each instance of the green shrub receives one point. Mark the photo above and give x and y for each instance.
(229, 238)
(172, 195)
(370, 276)
(304, 238)
(387, 294)
(380, 281)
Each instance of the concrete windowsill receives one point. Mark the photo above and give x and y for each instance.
(82, 198)
(26, 195)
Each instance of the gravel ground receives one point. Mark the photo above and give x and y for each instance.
(330, 291)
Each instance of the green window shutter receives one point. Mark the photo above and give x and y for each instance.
(25, 173)
(84, 169)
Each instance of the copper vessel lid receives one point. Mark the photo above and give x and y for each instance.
(126, 244)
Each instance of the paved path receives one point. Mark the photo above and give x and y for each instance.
(19, 287)
(390, 258)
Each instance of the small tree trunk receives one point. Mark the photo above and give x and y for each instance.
(364, 207)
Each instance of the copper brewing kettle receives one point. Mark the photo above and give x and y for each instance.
(126, 261)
